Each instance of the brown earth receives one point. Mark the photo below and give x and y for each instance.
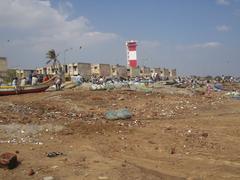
(170, 136)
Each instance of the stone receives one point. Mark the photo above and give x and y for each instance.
(48, 178)
(173, 150)
(31, 172)
(205, 134)
(102, 177)
(8, 160)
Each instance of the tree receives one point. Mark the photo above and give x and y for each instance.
(10, 75)
(56, 65)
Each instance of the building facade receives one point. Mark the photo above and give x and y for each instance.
(84, 69)
(119, 71)
(101, 70)
(21, 73)
(173, 73)
(134, 72)
(3, 67)
(145, 71)
(165, 73)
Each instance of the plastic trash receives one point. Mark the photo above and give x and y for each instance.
(118, 114)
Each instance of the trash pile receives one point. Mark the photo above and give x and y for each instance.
(234, 95)
(118, 114)
(136, 86)
(109, 85)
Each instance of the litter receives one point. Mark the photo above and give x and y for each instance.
(54, 154)
(118, 114)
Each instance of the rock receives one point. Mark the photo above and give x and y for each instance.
(8, 160)
(31, 172)
(173, 150)
(48, 178)
(151, 142)
(121, 98)
(102, 177)
(205, 135)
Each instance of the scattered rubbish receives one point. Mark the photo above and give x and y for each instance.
(8, 160)
(218, 87)
(54, 154)
(118, 114)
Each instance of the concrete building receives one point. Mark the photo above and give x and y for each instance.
(101, 70)
(156, 70)
(20, 73)
(173, 73)
(84, 69)
(165, 73)
(3, 67)
(134, 72)
(42, 70)
(145, 71)
(119, 71)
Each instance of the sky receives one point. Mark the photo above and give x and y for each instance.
(195, 37)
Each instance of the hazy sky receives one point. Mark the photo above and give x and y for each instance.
(197, 37)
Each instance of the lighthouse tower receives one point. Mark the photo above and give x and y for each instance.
(131, 54)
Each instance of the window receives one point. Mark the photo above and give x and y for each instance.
(75, 68)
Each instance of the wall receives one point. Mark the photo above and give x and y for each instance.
(119, 71)
(145, 71)
(3, 66)
(105, 70)
(84, 69)
(173, 73)
(134, 72)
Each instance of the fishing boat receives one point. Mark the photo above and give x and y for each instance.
(12, 90)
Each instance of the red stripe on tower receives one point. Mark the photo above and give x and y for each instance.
(132, 53)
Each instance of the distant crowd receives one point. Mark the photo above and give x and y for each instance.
(32, 79)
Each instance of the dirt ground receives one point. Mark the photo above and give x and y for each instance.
(170, 136)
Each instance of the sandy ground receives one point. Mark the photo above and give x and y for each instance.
(170, 136)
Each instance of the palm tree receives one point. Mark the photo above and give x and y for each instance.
(52, 56)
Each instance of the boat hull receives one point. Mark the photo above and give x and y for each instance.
(22, 90)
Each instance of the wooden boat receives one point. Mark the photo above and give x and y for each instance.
(12, 90)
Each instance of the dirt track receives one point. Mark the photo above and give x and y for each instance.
(169, 136)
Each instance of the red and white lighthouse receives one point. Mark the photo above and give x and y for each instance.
(131, 54)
